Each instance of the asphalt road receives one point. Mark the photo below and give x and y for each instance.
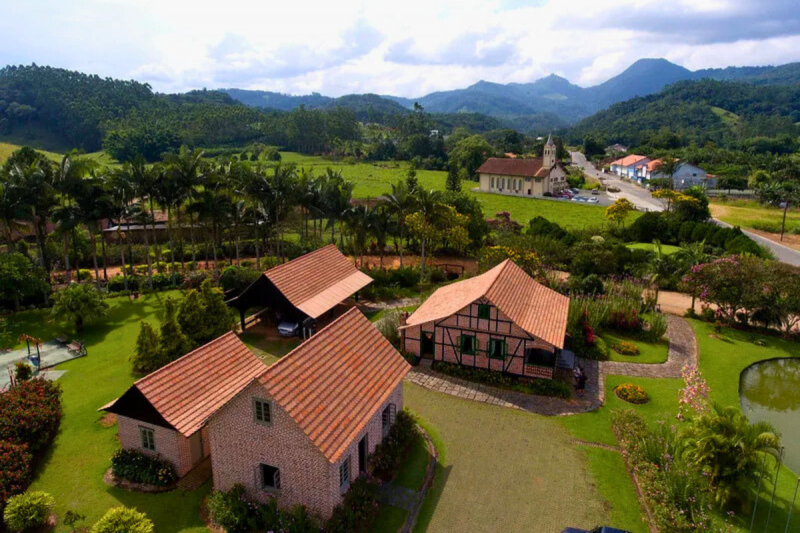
(642, 200)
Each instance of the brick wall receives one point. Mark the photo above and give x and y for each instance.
(239, 445)
(170, 444)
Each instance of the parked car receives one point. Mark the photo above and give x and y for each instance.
(288, 329)
(574, 191)
(595, 191)
(576, 198)
(593, 200)
(598, 529)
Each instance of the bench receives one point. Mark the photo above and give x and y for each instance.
(77, 347)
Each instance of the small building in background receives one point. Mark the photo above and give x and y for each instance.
(629, 166)
(616, 147)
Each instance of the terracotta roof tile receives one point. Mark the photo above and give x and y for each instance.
(190, 389)
(629, 160)
(317, 282)
(333, 383)
(540, 311)
(514, 167)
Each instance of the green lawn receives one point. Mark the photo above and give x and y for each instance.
(666, 249)
(502, 470)
(269, 350)
(649, 352)
(615, 484)
(751, 214)
(389, 520)
(722, 360)
(73, 469)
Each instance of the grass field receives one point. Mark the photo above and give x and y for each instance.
(502, 470)
(666, 249)
(649, 352)
(102, 158)
(749, 214)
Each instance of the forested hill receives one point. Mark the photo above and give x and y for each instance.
(729, 114)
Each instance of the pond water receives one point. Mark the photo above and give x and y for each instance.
(770, 390)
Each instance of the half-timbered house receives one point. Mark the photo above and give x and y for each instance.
(502, 320)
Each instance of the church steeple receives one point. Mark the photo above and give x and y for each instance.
(549, 152)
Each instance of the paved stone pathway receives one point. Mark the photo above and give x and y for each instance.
(197, 475)
(682, 351)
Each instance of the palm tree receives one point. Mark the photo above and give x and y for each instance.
(212, 208)
(67, 219)
(11, 212)
(186, 168)
(381, 225)
(94, 205)
(400, 203)
(667, 167)
(690, 255)
(35, 182)
(68, 181)
(119, 210)
(358, 220)
(729, 449)
(659, 268)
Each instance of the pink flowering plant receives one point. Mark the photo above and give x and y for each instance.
(694, 396)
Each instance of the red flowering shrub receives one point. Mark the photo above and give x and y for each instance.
(15, 470)
(30, 413)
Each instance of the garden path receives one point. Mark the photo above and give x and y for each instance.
(682, 351)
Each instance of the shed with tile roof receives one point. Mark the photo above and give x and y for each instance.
(304, 428)
(165, 412)
(304, 289)
(502, 320)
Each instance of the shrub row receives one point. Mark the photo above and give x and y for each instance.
(137, 467)
(234, 512)
(388, 456)
(540, 387)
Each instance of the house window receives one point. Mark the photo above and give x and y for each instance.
(492, 182)
(270, 477)
(262, 412)
(387, 418)
(484, 311)
(539, 357)
(469, 344)
(497, 349)
(344, 475)
(148, 438)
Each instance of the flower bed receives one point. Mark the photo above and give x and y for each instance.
(631, 393)
(136, 467)
(539, 387)
(626, 348)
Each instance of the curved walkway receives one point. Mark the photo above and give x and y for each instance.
(682, 351)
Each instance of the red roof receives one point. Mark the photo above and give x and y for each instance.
(333, 383)
(317, 282)
(529, 168)
(653, 165)
(629, 160)
(540, 311)
(190, 389)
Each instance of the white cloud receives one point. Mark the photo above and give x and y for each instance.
(407, 49)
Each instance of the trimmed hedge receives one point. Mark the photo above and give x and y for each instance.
(539, 387)
(123, 520)
(137, 467)
(15, 470)
(234, 512)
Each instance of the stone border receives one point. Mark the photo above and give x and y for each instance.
(144, 488)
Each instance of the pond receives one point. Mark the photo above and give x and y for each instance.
(770, 390)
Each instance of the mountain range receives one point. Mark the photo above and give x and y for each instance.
(553, 98)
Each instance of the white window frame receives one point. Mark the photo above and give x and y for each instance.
(147, 436)
(388, 416)
(276, 478)
(266, 409)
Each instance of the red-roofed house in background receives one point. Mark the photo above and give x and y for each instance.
(630, 166)
(304, 289)
(165, 412)
(502, 320)
(524, 177)
(304, 428)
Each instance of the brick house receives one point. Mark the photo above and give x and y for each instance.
(501, 320)
(304, 427)
(165, 412)
(304, 289)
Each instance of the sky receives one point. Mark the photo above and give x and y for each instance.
(405, 48)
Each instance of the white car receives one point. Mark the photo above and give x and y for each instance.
(593, 200)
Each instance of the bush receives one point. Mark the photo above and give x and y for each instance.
(123, 520)
(539, 387)
(237, 278)
(15, 470)
(22, 371)
(388, 325)
(437, 275)
(230, 509)
(117, 283)
(234, 512)
(357, 509)
(657, 327)
(632, 393)
(84, 274)
(388, 456)
(28, 510)
(137, 467)
(405, 277)
(626, 348)
(30, 413)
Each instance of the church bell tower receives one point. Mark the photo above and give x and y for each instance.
(549, 152)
